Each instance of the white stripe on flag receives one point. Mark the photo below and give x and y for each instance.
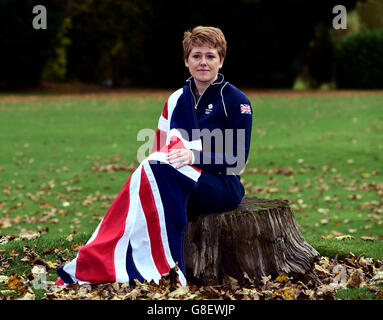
(122, 244)
(161, 213)
(192, 144)
(172, 102)
(187, 170)
(163, 124)
(141, 249)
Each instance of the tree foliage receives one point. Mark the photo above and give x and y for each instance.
(24, 49)
(359, 60)
(139, 42)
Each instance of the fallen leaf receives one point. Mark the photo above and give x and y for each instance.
(287, 293)
(373, 288)
(15, 282)
(179, 292)
(134, 294)
(364, 261)
(41, 262)
(321, 270)
(14, 253)
(266, 279)
(326, 291)
(27, 296)
(29, 235)
(343, 237)
(356, 279)
(377, 278)
(325, 262)
(282, 278)
(324, 221)
(330, 236)
(355, 197)
(38, 270)
(340, 278)
(53, 265)
(366, 238)
(267, 293)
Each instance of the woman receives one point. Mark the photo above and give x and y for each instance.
(141, 236)
(219, 105)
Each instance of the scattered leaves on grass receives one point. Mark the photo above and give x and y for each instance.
(327, 277)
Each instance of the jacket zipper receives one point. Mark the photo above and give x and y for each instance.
(195, 101)
(195, 106)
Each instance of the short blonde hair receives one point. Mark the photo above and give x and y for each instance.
(201, 35)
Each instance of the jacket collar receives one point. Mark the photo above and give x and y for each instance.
(219, 80)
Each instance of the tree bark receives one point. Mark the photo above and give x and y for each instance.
(257, 239)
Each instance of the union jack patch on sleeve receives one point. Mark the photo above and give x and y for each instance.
(245, 108)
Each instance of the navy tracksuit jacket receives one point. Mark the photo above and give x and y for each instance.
(222, 106)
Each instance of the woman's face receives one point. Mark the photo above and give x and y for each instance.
(204, 63)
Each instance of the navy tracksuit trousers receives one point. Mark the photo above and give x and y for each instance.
(215, 193)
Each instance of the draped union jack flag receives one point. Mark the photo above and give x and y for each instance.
(141, 236)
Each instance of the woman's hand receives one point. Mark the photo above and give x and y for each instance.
(184, 156)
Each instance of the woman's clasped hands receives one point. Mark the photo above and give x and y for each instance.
(183, 155)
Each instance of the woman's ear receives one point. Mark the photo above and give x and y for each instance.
(186, 63)
(221, 62)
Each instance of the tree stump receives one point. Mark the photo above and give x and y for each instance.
(257, 239)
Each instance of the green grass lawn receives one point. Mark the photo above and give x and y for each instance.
(322, 153)
(334, 147)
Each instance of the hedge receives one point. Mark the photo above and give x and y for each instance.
(359, 60)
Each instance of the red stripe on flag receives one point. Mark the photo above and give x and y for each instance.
(95, 261)
(159, 140)
(165, 111)
(195, 168)
(154, 229)
(174, 143)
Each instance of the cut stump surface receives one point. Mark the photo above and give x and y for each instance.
(257, 239)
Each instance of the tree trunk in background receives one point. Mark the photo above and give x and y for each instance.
(259, 238)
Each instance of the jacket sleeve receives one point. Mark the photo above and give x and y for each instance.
(237, 141)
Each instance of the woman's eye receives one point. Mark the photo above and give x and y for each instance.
(196, 56)
(211, 57)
